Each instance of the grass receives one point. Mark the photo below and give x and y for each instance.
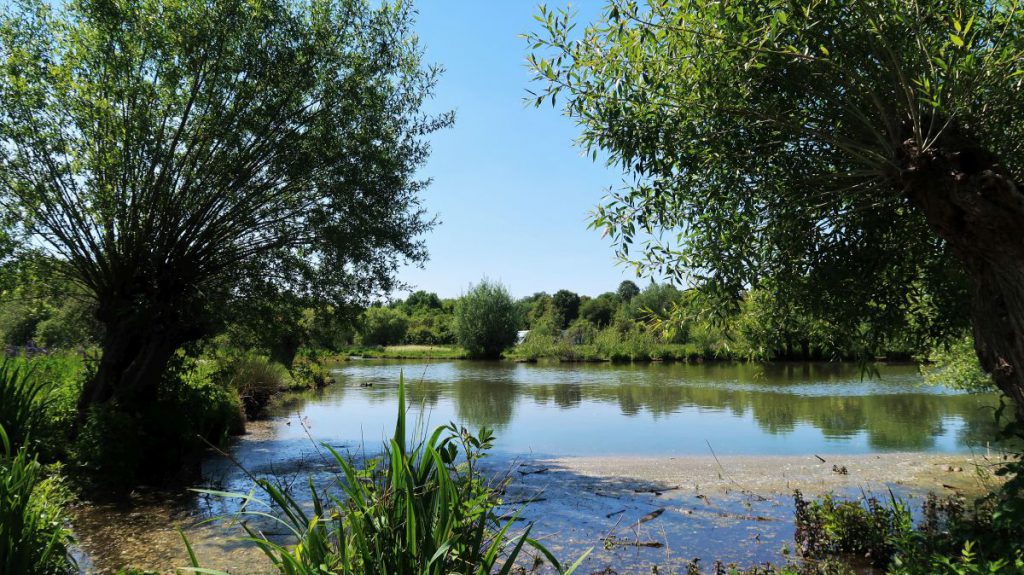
(405, 352)
(423, 509)
(33, 533)
(257, 381)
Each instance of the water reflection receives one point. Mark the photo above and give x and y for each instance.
(563, 409)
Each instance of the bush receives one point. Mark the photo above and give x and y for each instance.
(383, 326)
(948, 540)
(486, 320)
(308, 373)
(108, 450)
(956, 365)
(34, 537)
(257, 381)
(70, 325)
(163, 442)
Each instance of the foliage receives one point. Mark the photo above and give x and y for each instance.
(19, 320)
(536, 309)
(805, 144)
(949, 539)
(44, 307)
(177, 158)
(280, 325)
(162, 442)
(21, 393)
(382, 326)
(257, 380)
(408, 352)
(431, 325)
(567, 306)
(955, 364)
(627, 291)
(424, 508)
(422, 300)
(34, 537)
(486, 320)
(601, 309)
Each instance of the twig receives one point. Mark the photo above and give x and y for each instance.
(729, 477)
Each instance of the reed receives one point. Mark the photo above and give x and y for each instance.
(418, 509)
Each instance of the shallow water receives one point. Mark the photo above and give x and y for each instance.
(541, 411)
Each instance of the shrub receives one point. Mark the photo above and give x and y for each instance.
(161, 443)
(308, 373)
(34, 537)
(486, 320)
(948, 540)
(108, 449)
(257, 381)
(956, 365)
(383, 326)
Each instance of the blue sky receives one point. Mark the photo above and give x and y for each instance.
(511, 189)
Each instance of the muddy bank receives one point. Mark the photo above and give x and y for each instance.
(635, 512)
(812, 474)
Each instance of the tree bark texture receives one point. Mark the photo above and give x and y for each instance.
(978, 209)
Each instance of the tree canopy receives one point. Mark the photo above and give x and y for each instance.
(178, 156)
(862, 157)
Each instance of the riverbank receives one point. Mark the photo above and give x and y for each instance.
(776, 475)
(735, 508)
(398, 352)
(573, 353)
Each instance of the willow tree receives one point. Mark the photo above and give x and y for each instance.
(864, 155)
(177, 156)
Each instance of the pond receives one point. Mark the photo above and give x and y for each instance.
(593, 447)
(656, 409)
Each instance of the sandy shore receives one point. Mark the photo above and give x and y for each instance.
(780, 475)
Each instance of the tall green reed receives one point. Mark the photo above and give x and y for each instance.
(21, 393)
(34, 537)
(418, 509)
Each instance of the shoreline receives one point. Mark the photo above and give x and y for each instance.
(775, 475)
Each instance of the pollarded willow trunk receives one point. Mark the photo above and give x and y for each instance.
(140, 339)
(978, 209)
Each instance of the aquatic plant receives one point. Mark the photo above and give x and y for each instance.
(34, 538)
(424, 508)
(20, 393)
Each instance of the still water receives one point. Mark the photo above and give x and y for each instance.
(656, 409)
(541, 411)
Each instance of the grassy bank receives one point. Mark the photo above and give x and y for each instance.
(401, 352)
(615, 346)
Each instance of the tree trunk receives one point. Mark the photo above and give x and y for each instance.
(977, 208)
(140, 339)
(284, 350)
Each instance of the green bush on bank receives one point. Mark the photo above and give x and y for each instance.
(586, 343)
(256, 379)
(116, 450)
(486, 320)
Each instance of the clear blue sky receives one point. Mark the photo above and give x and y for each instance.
(511, 189)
